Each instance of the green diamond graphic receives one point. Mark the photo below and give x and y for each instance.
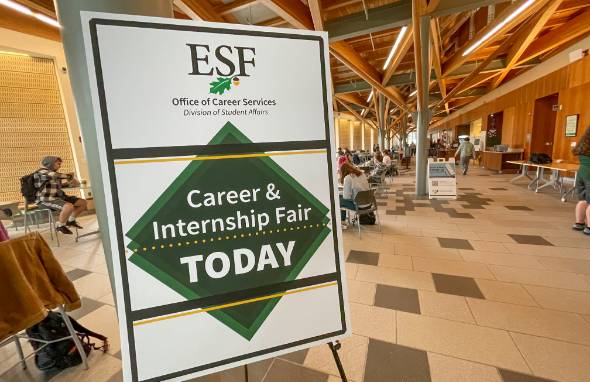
(161, 258)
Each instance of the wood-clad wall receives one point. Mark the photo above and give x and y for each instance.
(572, 83)
(350, 134)
(344, 134)
(357, 136)
(367, 132)
(11, 19)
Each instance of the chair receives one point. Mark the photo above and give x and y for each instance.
(377, 179)
(11, 212)
(72, 335)
(367, 200)
(392, 170)
(37, 212)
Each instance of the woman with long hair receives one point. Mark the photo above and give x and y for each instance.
(582, 150)
(353, 181)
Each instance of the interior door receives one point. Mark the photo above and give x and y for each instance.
(544, 118)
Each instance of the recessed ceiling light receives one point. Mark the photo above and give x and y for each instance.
(22, 9)
(395, 46)
(500, 25)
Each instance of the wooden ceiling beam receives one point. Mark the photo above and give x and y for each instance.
(294, 12)
(379, 19)
(460, 56)
(402, 50)
(436, 50)
(525, 38)
(353, 98)
(455, 27)
(234, 6)
(274, 22)
(315, 7)
(199, 10)
(572, 5)
(432, 6)
(330, 5)
(47, 11)
(467, 82)
(573, 29)
(355, 114)
(348, 56)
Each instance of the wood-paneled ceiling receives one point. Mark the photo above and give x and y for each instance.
(362, 33)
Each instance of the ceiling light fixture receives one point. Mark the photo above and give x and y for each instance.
(370, 96)
(500, 25)
(17, 7)
(395, 46)
(47, 20)
(22, 9)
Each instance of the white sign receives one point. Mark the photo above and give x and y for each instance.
(442, 183)
(216, 145)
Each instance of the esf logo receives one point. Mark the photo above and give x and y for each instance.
(228, 63)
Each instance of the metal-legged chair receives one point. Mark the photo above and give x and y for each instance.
(369, 203)
(73, 336)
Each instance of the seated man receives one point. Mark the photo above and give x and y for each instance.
(386, 158)
(48, 182)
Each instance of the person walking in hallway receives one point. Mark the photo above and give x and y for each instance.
(582, 150)
(466, 150)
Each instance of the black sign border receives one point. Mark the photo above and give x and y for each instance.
(125, 154)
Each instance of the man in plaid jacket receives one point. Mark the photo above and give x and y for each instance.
(49, 183)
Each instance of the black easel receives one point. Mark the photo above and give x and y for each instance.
(334, 347)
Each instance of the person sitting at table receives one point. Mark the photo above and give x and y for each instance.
(345, 158)
(356, 159)
(386, 158)
(582, 151)
(378, 159)
(49, 183)
(353, 181)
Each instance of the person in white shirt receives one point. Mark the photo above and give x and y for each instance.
(386, 158)
(354, 181)
(378, 159)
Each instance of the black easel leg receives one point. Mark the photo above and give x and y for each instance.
(334, 346)
(246, 373)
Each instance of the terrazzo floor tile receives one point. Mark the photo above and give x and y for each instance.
(461, 340)
(554, 359)
(531, 320)
(450, 369)
(457, 285)
(391, 362)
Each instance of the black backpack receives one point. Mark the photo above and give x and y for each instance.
(28, 189)
(63, 354)
(540, 158)
(367, 219)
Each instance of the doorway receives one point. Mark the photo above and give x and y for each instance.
(494, 131)
(544, 117)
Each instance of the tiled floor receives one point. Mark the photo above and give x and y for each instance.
(493, 286)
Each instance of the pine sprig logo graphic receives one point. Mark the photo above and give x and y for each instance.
(223, 84)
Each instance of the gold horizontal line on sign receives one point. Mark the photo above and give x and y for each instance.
(217, 157)
(232, 304)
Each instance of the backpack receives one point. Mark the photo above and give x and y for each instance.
(540, 158)
(28, 189)
(367, 219)
(62, 354)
